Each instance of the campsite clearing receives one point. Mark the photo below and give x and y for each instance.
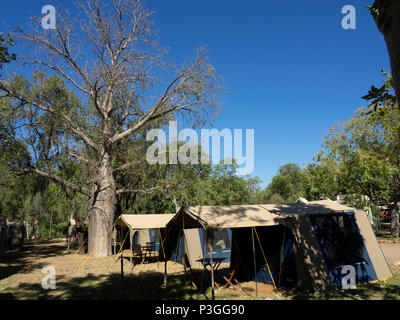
(21, 276)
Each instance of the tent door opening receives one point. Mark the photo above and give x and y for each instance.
(277, 249)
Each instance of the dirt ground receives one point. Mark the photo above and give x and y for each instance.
(25, 268)
(391, 252)
(80, 277)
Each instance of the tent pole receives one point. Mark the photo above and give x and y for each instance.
(165, 273)
(210, 248)
(165, 260)
(254, 259)
(212, 273)
(130, 241)
(122, 275)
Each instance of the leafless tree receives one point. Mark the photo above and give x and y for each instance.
(110, 56)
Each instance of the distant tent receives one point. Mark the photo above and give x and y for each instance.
(295, 245)
(3, 235)
(301, 200)
(142, 228)
(16, 235)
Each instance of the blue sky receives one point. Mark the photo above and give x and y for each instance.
(291, 71)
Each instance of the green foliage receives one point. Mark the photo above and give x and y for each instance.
(286, 186)
(373, 10)
(194, 184)
(360, 157)
(5, 42)
(381, 96)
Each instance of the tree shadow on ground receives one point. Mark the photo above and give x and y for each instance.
(109, 287)
(150, 287)
(22, 260)
(371, 291)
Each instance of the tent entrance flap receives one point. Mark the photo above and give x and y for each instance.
(342, 245)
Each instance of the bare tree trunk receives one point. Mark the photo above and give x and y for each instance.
(101, 209)
(394, 225)
(388, 21)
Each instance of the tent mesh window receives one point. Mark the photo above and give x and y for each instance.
(155, 237)
(341, 241)
(221, 239)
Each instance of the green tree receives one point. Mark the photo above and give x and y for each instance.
(363, 155)
(223, 187)
(287, 185)
(321, 179)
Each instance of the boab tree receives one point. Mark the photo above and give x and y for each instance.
(115, 83)
(387, 17)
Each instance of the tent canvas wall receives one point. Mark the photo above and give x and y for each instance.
(142, 228)
(311, 254)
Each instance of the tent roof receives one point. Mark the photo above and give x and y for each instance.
(144, 221)
(240, 216)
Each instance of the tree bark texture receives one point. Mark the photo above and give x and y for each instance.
(101, 209)
(394, 225)
(388, 22)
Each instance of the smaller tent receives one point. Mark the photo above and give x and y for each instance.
(301, 200)
(3, 235)
(142, 228)
(16, 235)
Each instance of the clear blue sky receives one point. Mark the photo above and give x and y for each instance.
(290, 69)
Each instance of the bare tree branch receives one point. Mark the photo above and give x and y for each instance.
(71, 124)
(59, 180)
(150, 190)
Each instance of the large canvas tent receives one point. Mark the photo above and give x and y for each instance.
(142, 228)
(303, 244)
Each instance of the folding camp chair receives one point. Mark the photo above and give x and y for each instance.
(188, 270)
(137, 253)
(230, 277)
(151, 248)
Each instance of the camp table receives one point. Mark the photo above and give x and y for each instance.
(149, 249)
(207, 262)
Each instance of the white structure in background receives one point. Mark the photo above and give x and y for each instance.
(301, 200)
